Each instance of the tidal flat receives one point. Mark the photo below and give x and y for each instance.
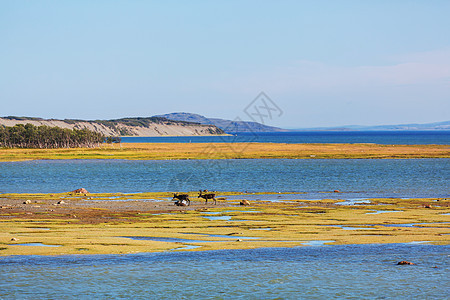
(117, 223)
(168, 151)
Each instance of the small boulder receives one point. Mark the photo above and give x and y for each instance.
(404, 262)
(244, 202)
(80, 191)
(61, 202)
(336, 191)
(14, 239)
(427, 206)
(27, 202)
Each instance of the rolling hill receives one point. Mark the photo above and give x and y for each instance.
(228, 126)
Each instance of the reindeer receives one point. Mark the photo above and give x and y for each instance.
(183, 199)
(206, 195)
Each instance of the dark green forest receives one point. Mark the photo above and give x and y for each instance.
(45, 137)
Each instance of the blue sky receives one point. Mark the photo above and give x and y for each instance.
(324, 63)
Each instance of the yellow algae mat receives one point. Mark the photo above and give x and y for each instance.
(146, 151)
(54, 224)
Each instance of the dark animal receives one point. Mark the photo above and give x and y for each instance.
(183, 199)
(206, 195)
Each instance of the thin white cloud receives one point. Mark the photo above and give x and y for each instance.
(411, 69)
(439, 56)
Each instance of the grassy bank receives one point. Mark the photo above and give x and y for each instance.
(159, 151)
(100, 223)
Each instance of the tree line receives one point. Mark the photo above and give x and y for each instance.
(30, 136)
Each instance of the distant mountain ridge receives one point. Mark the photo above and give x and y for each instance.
(401, 127)
(237, 126)
(152, 126)
(189, 124)
(228, 126)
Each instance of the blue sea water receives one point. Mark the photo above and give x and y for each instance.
(341, 271)
(376, 137)
(307, 272)
(355, 178)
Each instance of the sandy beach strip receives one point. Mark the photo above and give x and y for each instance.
(167, 151)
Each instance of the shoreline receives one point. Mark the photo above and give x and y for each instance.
(180, 250)
(118, 223)
(183, 151)
(169, 135)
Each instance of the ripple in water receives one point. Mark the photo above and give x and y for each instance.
(356, 178)
(341, 271)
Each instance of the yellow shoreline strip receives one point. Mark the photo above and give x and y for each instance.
(168, 151)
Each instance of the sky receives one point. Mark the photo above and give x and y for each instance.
(322, 63)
